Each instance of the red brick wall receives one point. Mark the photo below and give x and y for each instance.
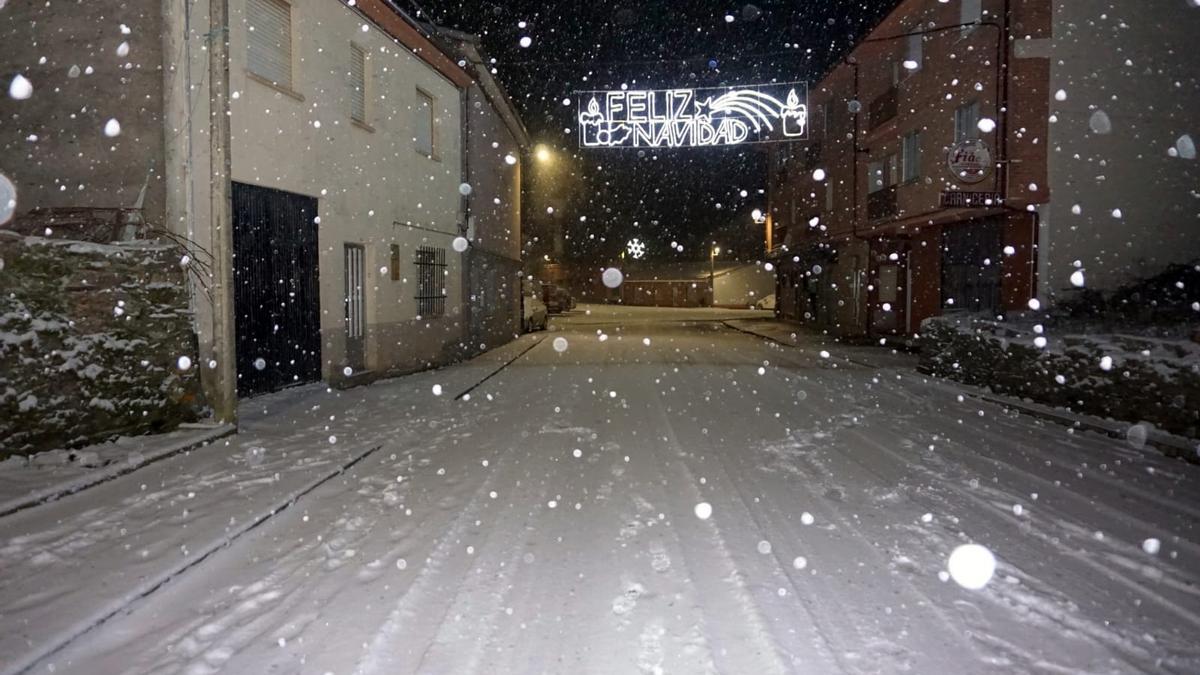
(1018, 281)
(925, 260)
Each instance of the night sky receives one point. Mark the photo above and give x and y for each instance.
(687, 195)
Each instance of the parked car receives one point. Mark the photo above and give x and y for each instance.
(765, 302)
(553, 299)
(536, 315)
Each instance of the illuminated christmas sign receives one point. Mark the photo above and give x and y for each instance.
(636, 249)
(678, 118)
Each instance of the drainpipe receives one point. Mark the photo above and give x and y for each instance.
(468, 256)
(1002, 84)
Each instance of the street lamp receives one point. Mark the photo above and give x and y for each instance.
(543, 154)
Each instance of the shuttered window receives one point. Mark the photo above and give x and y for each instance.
(269, 47)
(423, 124)
(358, 84)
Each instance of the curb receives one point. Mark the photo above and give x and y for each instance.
(103, 475)
(1169, 445)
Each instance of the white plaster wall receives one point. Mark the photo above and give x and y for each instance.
(496, 194)
(372, 184)
(1137, 61)
(743, 285)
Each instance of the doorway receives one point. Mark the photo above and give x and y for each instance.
(276, 303)
(888, 294)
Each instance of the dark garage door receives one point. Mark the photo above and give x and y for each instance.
(278, 319)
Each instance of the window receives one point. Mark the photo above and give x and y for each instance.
(358, 84)
(966, 121)
(971, 11)
(914, 52)
(881, 174)
(423, 124)
(912, 157)
(394, 268)
(431, 281)
(269, 46)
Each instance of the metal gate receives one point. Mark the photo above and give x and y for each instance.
(276, 301)
(356, 320)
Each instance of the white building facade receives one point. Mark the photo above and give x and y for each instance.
(347, 131)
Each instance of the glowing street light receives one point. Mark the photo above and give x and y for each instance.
(543, 154)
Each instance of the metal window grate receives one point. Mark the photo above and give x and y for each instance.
(431, 274)
(269, 47)
(358, 84)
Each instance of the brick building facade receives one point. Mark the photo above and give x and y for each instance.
(872, 230)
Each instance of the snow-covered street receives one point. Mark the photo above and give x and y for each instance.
(637, 490)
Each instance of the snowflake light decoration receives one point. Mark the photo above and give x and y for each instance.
(636, 249)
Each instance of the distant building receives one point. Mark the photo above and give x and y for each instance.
(353, 139)
(971, 156)
(722, 284)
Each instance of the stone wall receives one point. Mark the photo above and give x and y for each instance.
(91, 337)
(1132, 378)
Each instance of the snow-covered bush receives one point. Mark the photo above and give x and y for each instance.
(1108, 373)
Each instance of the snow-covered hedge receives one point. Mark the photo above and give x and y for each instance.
(91, 337)
(1134, 378)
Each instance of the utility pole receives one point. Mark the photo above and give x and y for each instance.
(222, 384)
(712, 274)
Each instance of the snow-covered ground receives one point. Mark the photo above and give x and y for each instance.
(552, 523)
(25, 481)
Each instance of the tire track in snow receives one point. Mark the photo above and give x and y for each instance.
(148, 586)
(1088, 628)
(418, 602)
(820, 639)
(1052, 488)
(1096, 636)
(1183, 512)
(951, 627)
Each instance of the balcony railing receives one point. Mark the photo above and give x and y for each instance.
(882, 204)
(883, 108)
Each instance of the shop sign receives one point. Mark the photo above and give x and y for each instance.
(965, 199)
(970, 161)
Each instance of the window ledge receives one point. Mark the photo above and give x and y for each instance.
(362, 125)
(272, 85)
